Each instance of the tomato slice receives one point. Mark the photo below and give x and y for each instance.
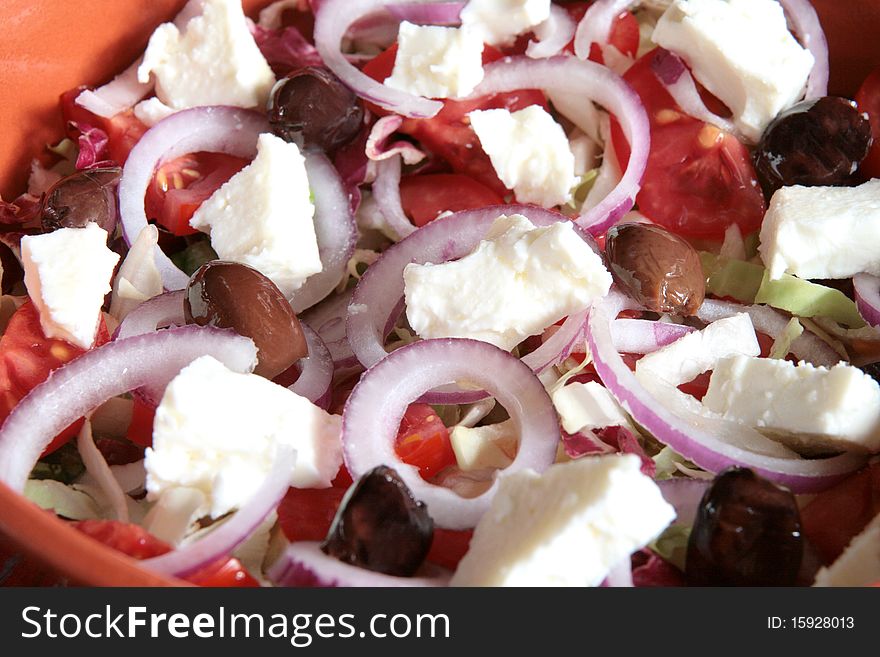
(305, 514)
(423, 441)
(27, 357)
(449, 547)
(868, 99)
(699, 179)
(425, 196)
(140, 429)
(123, 130)
(180, 186)
(624, 32)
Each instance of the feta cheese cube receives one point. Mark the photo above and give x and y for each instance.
(215, 61)
(741, 51)
(67, 274)
(490, 446)
(218, 431)
(437, 62)
(530, 153)
(518, 281)
(262, 216)
(566, 527)
(812, 409)
(499, 21)
(859, 565)
(588, 406)
(822, 232)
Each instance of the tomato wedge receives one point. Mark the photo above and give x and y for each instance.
(425, 196)
(868, 99)
(423, 441)
(123, 130)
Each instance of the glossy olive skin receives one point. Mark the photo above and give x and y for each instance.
(380, 527)
(815, 142)
(312, 108)
(232, 295)
(658, 269)
(83, 197)
(747, 533)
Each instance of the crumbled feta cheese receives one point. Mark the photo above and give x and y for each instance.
(530, 153)
(517, 282)
(215, 61)
(151, 111)
(822, 232)
(588, 406)
(218, 431)
(262, 217)
(566, 527)
(499, 21)
(741, 51)
(859, 565)
(813, 409)
(67, 274)
(437, 62)
(490, 446)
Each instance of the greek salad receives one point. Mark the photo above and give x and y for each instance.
(468, 293)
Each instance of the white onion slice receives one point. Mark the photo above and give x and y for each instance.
(332, 21)
(219, 542)
(386, 191)
(378, 402)
(97, 467)
(805, 24)
(699, 444)
(216, 129)
(158, 312)
(685, 495)
(328, 320)
(305, 564)
(642, 336)
(552, 35)
(595, 26)
(83, 384)
(316, 371)
(592, 82)
(867, 292)
(621, 575)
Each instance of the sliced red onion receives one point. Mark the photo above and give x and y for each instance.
(219, 542)
(117, 367)
(328, 320)
(378, 298)
(685, 495)
(331, 23)
(595, 26)
(376, 406)
(335, 228)
(642, 336)
(386, 191)
(228, 130)
(805, 24)
(552, 35)
(769, 321)
(270, 16)
(119, 95)
(867, 292)
(305, 564)
(427, 13)
(593, 82)
(158, 312)
(674, 75)
(698, 441)
(316, 371)
(96, 466)
(378, 148)
(560, 345)
(620, 575)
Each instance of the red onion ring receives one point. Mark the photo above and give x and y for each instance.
(163, 310)
(427, 13)
(805, 24)
(328, 320)
(316, 371)
(621, 575)
(642, 336)
(228, 130)
(685, 495)
(219, 542)
(332, 21)
(378, 148)
(698, 444)
(386, 191)
(867, 293)
(769, 321)
(593, 82)
(376, 406)
(85, 383)
(552, 35)
(304, 564)
(378, 298)
(595, 26)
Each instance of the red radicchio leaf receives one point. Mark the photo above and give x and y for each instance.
(626, 442)
(92, 143)
(648, 569)
(285, 49)
(20, 211)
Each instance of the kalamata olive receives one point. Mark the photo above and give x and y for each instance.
(313, 108)
(815, 142)
(83, 197)
(747, 533)
(232, 295)
(379, 526)
(656, 268)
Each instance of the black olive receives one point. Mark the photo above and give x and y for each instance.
(380, 527)
(747, 533)
(815, 142)
(83, 197)
(312, 108)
